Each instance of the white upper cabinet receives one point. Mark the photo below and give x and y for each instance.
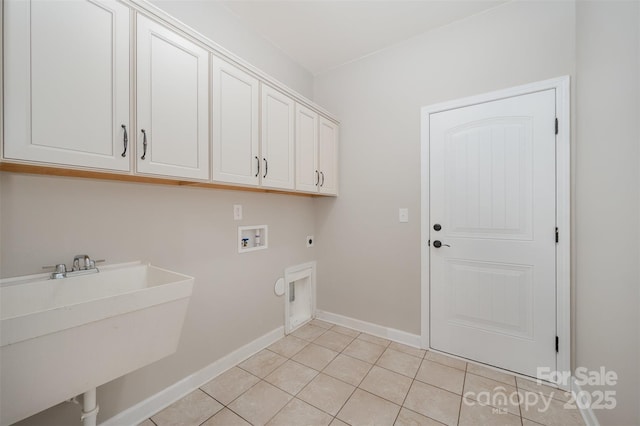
(328, 157)
(173, 103)
(307, 173)
(66, 82)
(277, 147)
(235, 125)
(69, 97)
(316, 152)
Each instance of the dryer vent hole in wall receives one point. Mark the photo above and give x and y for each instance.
(300, 291)
(300, 301)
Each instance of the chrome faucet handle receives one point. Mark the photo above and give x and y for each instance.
(60, 271)
(60, 267)
(86, 260)
(82, 262)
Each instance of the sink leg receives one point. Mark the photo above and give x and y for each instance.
(90, 408)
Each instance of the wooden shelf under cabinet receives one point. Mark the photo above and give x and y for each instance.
(90, 174)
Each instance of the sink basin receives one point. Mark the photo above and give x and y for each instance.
(60, 338)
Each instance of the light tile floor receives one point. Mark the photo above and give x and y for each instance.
(324, 374)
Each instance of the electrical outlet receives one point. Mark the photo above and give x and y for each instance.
(310, 240)
(237, 212)
(403, 215)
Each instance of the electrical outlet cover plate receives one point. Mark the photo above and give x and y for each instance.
(310, 240)
(403, 215)
(237, 212)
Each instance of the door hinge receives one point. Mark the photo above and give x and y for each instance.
(557, 235)
(557, 344)
(556, 125)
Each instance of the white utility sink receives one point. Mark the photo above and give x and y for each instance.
(60, 338)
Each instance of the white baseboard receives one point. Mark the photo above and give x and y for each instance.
(150, 406)
(374, 329)
(587, 413)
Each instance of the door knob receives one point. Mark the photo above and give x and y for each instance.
(437, 227)
(438, 244)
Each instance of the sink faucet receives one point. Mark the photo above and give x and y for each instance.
(82, 264)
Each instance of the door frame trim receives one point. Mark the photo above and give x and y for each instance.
(563, 205)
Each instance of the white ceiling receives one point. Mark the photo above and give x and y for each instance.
(323, 34)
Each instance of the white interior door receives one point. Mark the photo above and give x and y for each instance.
(492, 232)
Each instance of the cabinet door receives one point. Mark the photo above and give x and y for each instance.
(277, 146)
(66, 82)
(235, 125)
(307, 173)
(173, 103)
(328, 156)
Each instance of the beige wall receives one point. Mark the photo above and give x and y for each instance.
(607, 188)
(370, 264)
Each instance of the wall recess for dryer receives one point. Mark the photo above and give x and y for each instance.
(251, 238)
(300, 295)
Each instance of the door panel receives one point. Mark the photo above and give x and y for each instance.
(489, 296)
(307, 174)
(489, 180)
(66, 97)
(172, 103)
(235, 125)
(492, 190)
(327, 161)
(277, 139)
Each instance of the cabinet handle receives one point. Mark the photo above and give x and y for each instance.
(258, 163)
(322, 174)
(317, 178)
(125, 139)
(266, 168)
(144, 144)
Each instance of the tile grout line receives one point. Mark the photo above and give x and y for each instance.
(354, 387)
(361, 380)
(238, 414)
(211, 416)
(401, 406)
(319, 372)
(413, 379)
(464, 382)
(299, 363)
(519, 402)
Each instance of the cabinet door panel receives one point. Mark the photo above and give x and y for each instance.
(328, 154)
(172, 103)
(235, 125)
(67, 96)
(277, 148)
(306, 149)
